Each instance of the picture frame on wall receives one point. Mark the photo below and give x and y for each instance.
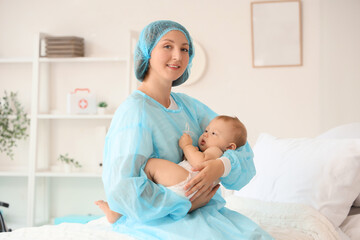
(276, 34)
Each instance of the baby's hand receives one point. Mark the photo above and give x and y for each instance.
(185, 140)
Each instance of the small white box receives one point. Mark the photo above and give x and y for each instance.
(81, 101)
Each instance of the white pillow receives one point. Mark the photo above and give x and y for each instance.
(357, 201)
(350, 130)
(322, 173)
(351, 226)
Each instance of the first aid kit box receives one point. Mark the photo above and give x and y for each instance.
(81, 101)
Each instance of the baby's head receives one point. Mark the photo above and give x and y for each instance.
(224, 132)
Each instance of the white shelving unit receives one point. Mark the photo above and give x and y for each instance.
(67, 116)
(12, 173)
(38, 172)
(68, 175)
(16, 60)
(82, 59)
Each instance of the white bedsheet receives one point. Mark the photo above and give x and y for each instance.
(283, 221)
(98, 229)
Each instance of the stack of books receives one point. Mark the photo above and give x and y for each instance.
(65, 46)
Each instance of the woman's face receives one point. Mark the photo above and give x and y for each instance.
(169, 57)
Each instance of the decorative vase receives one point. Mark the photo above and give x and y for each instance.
(67, 168)
(101, 110)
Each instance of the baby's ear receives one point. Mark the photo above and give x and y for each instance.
(232, 146)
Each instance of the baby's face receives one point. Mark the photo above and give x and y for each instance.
(217, 134)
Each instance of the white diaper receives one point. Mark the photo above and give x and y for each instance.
(185, 164)
(179, 188)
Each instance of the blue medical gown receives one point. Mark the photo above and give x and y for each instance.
(141, 129)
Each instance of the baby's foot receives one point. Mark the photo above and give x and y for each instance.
(111, 216)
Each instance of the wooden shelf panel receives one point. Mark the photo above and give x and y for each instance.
(14, 116)
(64, 60)
(82, 59)
(71, 174)
(73, 116)
(12, 173)
(16, 60)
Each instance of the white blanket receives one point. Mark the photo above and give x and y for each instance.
(98, 229)
(285, 221)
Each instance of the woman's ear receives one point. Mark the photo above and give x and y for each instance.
(232, 146)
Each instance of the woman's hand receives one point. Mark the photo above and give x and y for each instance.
(204, 198)
(210, 171)
(185, 140)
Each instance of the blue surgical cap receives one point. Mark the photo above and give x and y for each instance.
(149, 37)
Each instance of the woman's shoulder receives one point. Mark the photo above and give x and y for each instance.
(131, 111)
(183, 97)
(198, 109)
(132, 104)
(186, 99)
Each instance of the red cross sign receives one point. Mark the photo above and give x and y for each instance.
(83, 103)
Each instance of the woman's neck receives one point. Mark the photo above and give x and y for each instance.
(159, 92)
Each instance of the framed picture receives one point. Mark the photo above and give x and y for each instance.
(276, 34)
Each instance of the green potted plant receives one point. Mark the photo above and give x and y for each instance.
(68, 162)
(13, 123)
(102, 107)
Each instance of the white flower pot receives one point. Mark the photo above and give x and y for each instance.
(101, 111)
(67, 168)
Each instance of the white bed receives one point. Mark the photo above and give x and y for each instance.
(282, 220)
(308, 187)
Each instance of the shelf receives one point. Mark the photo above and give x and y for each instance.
(64, 60)
(14, 116)
(82, 59)
(69, 116)
(72, 174)
(13, 174)
(16, 60)
(14, 171)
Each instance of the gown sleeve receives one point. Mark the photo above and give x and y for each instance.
(128, 146)
(242, 167)
(241, 159)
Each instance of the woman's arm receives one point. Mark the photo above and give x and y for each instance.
(242, 167)
(242, 171)
(128, 190)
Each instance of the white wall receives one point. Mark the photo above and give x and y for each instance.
(340, 63)
(288, 102)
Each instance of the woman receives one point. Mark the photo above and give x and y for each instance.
(148, 125)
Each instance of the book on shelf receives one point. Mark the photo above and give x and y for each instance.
(63, 38)
(62, 46)
(66, 55)
(65, 47)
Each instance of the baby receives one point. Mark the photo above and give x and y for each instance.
(222, 133)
